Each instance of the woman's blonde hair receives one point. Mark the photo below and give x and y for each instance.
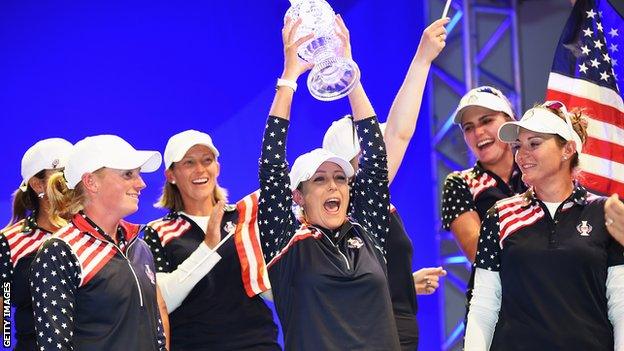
(171, 198)
(64, 202)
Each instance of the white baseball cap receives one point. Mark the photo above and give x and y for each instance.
(341, 138)
(45, 154)
(541, 120)
(484, 96)
(306, 165)
(179, 144)
(111, 151)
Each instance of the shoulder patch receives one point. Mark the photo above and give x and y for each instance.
(477, 183)
(515, 213)
(91, 253)
(22, 243)
(168, 229)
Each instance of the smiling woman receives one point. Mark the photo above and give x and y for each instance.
(97, 259)
(201, 284)
(327, 270)
(468, 194)
(29, 227)
(546, 250)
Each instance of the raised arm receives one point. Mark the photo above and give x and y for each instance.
(361, 107)
(370, 199)
(293, 68)
(403, 115)
(275, 217)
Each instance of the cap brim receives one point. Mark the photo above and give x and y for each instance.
(186, 147)
(344, 164)
(508, 132)
(153, 161)
(492, 103)
(147, 161)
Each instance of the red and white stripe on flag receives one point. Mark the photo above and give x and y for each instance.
(247, 239)
(602, 159)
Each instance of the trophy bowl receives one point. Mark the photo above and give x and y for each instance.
(333, 76)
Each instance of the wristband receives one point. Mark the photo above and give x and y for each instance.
(286, 83)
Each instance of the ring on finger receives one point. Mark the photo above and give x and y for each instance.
(608, 221)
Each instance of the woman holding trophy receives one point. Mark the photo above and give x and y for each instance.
(328, 273)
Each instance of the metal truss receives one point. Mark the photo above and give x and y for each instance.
(482, 49)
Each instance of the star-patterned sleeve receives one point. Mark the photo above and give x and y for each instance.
(488, 249)
(54, 280)
(370, 199)
(6, 267)
(160, 256)
(456, 199)
(275, 217)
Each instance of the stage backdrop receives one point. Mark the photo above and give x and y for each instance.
(147, 70)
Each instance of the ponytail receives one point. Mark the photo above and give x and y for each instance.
(64, 202)
(25, 202)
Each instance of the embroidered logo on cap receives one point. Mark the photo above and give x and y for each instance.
(355, 243)
(584, 228)
(150, 274)
(472, 99)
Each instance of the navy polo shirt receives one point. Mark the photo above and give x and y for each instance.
(553, 272)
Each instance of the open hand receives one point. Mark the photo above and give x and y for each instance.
(343, 34)
(293, 65)
(213, 232)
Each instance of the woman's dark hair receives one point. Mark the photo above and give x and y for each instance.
(25, 202)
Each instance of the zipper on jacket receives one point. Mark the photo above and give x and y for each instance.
(136, 278)
(335, 246)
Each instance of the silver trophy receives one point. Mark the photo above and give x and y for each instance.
(333, 76)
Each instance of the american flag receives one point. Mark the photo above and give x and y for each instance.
(587, 72)
(253, 268)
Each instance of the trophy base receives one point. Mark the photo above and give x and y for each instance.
(333, 78)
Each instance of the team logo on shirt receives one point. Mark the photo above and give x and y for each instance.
(150, 274)
(229, 227)
(584, 228)
(355, 243)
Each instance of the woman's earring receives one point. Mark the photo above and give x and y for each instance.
(173, 182)
(41, 195)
